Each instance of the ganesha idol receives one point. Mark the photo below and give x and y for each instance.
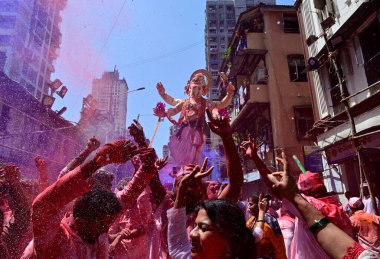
(186, 146)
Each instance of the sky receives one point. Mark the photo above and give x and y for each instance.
(148, 41)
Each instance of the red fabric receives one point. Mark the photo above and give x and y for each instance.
(309, 181)
(331, 208)
(49, 234)
(354, 251)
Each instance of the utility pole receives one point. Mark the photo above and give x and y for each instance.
(358, 149)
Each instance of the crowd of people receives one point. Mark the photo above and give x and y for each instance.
(81, 216)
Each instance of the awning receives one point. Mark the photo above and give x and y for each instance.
(344, 149)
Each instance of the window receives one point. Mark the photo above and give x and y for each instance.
(304, 119)
(231, 23)
(290, 23)
(25, 68)
(296, 64)
(7, 21)
(370, 46)
(8, 6)
(214, 73)
(230, 7)
(214, 66)
(32, 75)
(212, 16)
(5, 40)
(4, 119)
(212, 8)
(335, 92)
(212, 23)
(40, 82)
(3, 57)
(212, 30)
(230, 16)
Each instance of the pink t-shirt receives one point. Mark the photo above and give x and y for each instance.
(139, 215)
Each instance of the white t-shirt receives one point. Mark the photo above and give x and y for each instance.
(368, 205)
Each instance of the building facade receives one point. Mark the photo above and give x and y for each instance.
(28, 129)
(221, 17)
(352, 31)
(273, 102)
(110, 100)
(29, 41)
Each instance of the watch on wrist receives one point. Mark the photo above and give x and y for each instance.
(319, 224)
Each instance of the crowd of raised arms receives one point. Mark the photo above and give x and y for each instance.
(81, 216)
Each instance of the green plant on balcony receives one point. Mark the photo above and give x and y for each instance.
(227, 53)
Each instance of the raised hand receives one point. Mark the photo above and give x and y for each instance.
(161, 163)
(263, 203)
(148, 158)
(160, 88)
(223, 77)
(219, 125)
(230, 88)
(40, 163)
(117, 152)
(282, 182)
(92, 144)
(137, 132)
(197, 173)
(125, 233)
(249, 147)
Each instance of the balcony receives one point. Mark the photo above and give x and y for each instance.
(246, 52)
(255, 40)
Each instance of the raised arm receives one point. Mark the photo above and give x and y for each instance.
(225, 101)
(222, 128)
(43, 174)
(92, 145)
(179, 244)
(16, 231)
(140, 180)
(250, 151)
(332, 239)
(173, 111)
(48, 204)
(158, 190)
(167, 98)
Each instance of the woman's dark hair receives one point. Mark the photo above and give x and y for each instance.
(96, 204)
(231, 221)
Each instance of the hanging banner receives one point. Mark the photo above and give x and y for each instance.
(342, 151)
(313, 158)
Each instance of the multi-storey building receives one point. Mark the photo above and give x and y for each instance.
(273, 102)
(221, 16)
(28, 129)
(349, 32)
(29, 41)
(110, 100)
(165, 151)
